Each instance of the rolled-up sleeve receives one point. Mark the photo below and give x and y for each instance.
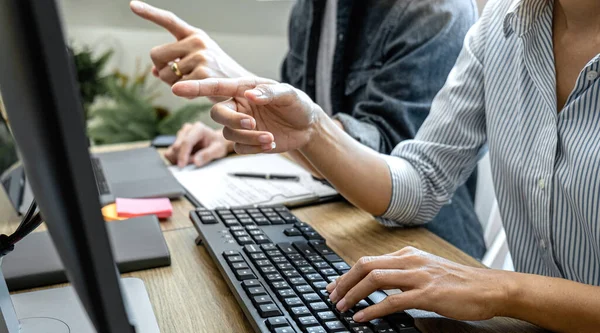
(426, 171)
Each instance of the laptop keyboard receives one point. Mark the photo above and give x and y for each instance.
(278, 268)
(101, 182)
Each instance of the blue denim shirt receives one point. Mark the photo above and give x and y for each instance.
(391, 59)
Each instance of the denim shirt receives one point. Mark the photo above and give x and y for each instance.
(391, 59)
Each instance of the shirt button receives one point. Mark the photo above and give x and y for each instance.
(542, 244)
(542, 183)
(591, 75)
(341, 37)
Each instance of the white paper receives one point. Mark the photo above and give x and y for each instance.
(214, 188)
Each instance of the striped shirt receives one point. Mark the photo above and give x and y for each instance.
(545, 163)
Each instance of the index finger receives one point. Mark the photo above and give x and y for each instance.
(166, 19)
(218, 87)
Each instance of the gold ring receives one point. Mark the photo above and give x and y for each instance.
(175, 69)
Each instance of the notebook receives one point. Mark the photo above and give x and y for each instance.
(212, 186)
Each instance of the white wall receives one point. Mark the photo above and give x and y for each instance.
(254, 33)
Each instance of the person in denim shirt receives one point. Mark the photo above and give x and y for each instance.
(347, 56)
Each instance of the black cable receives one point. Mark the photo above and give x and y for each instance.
(31, 221)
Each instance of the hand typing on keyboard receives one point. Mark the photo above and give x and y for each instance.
(429, 283)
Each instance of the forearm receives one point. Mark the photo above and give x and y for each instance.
(300, 159)
(556, 304)
(357, 172)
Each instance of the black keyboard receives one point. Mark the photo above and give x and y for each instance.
(277, 267)
(101, 182)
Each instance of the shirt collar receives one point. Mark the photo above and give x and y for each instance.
(522, 15)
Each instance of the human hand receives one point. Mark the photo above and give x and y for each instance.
(197, 55)
(198, 144)
(261, 116)
(428, 283)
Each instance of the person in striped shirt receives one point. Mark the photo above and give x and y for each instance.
(526, 84)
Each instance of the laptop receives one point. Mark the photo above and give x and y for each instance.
(135, 173)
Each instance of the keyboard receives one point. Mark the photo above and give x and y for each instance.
(277, 267)
(103, 187)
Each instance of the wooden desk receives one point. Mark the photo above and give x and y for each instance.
(191, 295)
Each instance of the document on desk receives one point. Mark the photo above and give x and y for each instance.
(214, 187)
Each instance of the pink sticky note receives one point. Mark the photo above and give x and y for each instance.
(160, 207)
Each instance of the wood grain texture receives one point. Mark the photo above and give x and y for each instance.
(192, 296)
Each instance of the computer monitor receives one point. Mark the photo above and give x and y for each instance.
(39, 92)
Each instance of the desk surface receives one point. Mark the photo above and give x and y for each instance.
(191, 295)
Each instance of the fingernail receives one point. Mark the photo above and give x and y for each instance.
(341, 305)
(331, 287)
(137, 5)
(265, 138)
(246, 123)
(334, 296)
(268, 147)
(256, 92)
(359, 316)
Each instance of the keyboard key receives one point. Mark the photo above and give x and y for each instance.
(274, 277)
(280, 285)
(253, 227)
(334, 326)
(230, 253)
(260, 263)
(300, 311)
(223, 212)
(255, 232)
(304, 288)
(312, 235)
(329, 272)
(287, 248)
(258, 256)
(232, 259)
(291, 232)
(253, 210)
(304, 248)
(262, 299)
(307, 321)
(276, 220)
(250, 249)
(332, 278)
(240, 233)
(321, 265)
(267, 270)
(340, 266)
(324, 316)
(279, 259)
(245, 240)
(267, 210)
(239, 265)
(314, 277)
(324, 294)
(314, 258)
(268, 247)
(307, 270)
(315, 329)
(285, 329)
(284, 266)
(242, 216)
(349, 321)
(250, 284)
(244, 274)
(300, 225)
(295, 256)
(310, 297)
(262, 239)
(274, 253)
(239, 211)
(361, 329)
(275, 322)
(306, 229)
(301, 263)
(318, 306)
(288, 217)
(262, 221)
(332, 258)
(321, 248)
(281, 209)
(379, 325)
(246, 221)
(256, 291)
(271, 214)
(320, 285)
(291, 274)
(268, 310)
(401, 321)
(291, 302)
(297, 281)
(285, 293)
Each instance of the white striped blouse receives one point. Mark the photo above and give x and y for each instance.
(545, 163)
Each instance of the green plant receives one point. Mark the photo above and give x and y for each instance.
(129, 115)
(92, 81)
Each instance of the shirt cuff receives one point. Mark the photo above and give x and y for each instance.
(407, 193)
(365, 133)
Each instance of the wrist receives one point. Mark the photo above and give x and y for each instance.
(511, 293)
(320, 130)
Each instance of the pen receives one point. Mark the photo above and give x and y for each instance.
(266, 176)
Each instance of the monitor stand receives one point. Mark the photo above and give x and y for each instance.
(59, 310)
